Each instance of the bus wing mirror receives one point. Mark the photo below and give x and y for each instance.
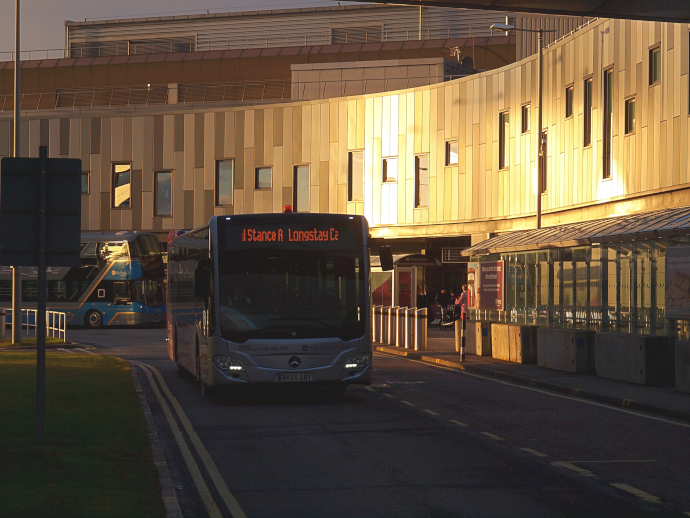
(386, 257)
(202, 278)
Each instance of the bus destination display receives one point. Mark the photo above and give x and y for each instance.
(289, 235)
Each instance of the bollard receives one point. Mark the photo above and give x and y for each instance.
(392, 327)
(420, 329)
(3, 323)
(400, 327)
(409, 328)
(460, 327)
(374, 310)
(383, 327)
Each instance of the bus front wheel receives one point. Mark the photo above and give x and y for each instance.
(93, 319)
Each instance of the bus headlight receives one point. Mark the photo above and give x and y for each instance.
(227, 364)
(358, 360)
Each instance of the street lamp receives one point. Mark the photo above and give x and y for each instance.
(506, 27)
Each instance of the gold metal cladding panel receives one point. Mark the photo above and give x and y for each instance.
(287, 147)
(178, 190)
(305, 153)
(209, 163)
(359, 143)
(116, 139)
(296, 136)
(258, 137)
(229, 136)
(279, 176)
(249, 128)
(248, 180)
(189, 151)
(218, 136)
(239, 157)
(198, 198)
(268, 136)
(325, 113)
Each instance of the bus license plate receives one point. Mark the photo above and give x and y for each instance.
(305, 376)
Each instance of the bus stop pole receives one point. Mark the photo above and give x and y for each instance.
(16, 271)
(41, 316)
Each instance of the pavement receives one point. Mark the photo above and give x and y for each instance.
(662, 401)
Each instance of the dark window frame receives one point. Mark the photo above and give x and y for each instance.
(88, 182)
(526, 122)
(448, 153)
(587, 109)
(351, 177)
(418, 202)
(216, 199)
(607, 116)
(112, 185)
(569, 100)
(630, 121)
(384, 170)
(503, 140)
(155, 193)
(295, 167)
(257, 170)
(654, 50)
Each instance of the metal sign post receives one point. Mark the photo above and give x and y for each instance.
(16, 270)
(38, 231)
(41, 306)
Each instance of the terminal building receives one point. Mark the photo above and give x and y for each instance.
(426, 125)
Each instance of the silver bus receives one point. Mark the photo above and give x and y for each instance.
(271, 298)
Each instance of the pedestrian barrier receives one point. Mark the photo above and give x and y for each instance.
(400, 327)
(56, 322)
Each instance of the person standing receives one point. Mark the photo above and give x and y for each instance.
(461, 304)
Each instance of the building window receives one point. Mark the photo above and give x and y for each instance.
(263, 178)
(421, 181)
(122, 186)
(300, 196)
(224, 179)
(526, 118)
(85, 183)
(163, 193)
(390, 169)
(452, 152)
(503, 139)
(608, 121)
(587, 140)
(543, 159)
(569, 102)
(630, 116)
(355, 176)
(655, 65)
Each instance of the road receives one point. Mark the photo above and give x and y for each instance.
(422, 441)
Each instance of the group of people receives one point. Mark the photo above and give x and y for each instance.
(444, 300)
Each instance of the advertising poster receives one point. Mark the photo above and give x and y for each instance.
(678, 282)
(485, 282)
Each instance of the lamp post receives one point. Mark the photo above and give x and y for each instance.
(506, 27)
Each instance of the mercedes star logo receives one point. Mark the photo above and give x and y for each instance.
(294, 362)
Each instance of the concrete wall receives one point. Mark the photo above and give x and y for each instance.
(566, 350)
(478, 338)
(682, 365)
(646, 360)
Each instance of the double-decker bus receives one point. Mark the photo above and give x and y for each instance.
(119, 282)
(271, 298)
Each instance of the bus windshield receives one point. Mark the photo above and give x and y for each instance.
(291, 293)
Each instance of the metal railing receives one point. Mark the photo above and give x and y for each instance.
(150, 96)
(159, 95)
(355, 37)
(56, 323)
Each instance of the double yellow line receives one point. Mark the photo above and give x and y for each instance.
(202, 487)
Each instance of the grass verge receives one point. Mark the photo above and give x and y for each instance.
(50, 340)
(96, 460)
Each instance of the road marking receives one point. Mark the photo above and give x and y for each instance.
(572, 467)
(193, 467)
(369, 389)
(221, 486)
(430, 412)
(407, 403)
(492, 436)
(85, 351)
(388, 395)
(459, 423)
(638, 492)
(65, 350)
(605, 461)
(545, 392)
(534, 452)
(687, 512)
